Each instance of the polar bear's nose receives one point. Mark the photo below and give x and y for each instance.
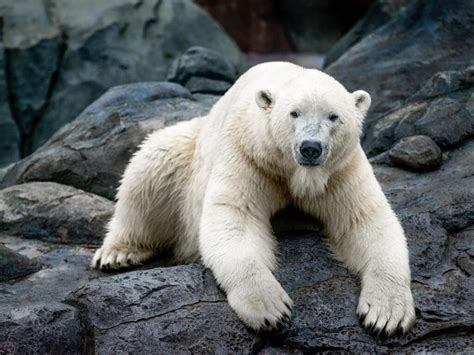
(311, 149)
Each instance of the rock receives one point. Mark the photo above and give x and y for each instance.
(201, 62)
(53, 212)
(316, 25)
(64, 268)
(446, 194)
(202, 85)
(41, 329)
(14, 265)
(203, 71)
(441, 109)
(378, 14)
(395, 61)
(446, 122)
(419, 153)
(91, 152)
(65, 54)
(10, 138)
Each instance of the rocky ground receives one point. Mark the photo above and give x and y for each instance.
(419, 135)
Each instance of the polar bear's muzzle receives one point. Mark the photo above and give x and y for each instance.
(309, 153)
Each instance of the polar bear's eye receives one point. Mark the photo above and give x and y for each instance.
(333, 117)
(294, 114)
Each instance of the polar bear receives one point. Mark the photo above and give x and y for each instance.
(207, 188)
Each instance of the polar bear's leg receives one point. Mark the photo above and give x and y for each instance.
(237, 244)
(367, 236)
(146, 216)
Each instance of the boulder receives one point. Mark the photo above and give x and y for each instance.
(33, 315)
(416, 153)
(379, 13)
(65, 54)
(91, 152)
(316, 25)
(14, 265)
(399, 58)
(10, 137)
(53, 212)
(442, 109)
(202, 70)
(41, 329)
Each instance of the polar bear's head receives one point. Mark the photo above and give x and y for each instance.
(312, 118)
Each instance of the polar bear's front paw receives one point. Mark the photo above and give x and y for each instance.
(113, 257)
(386, 307)
(261, 304)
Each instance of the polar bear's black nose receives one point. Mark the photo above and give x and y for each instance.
(311, 149)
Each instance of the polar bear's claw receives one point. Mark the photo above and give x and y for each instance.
(386, 309)
(110, 257)
(261, 305)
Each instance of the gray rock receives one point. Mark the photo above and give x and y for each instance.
(207, 86)
(202, 70)
(64, 268)
(446, 122)
(53, 212)
(447, 194)
(14, 265)
(378, 14)
(10, 138)
(201, 62)
(52, 328)
(419, 153)
(91, 152)
(442, 109)
(446, 82)
(395, 61)
(314, 25)
(65, 54)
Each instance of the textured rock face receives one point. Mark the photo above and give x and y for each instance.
(65, 54)
(315, 25)
(10, 139)
(204, 71)
(53, 212)
(91, 152)
(14, 265)
(416, 153)
(396, 60)
(378, 14)
(442, 109)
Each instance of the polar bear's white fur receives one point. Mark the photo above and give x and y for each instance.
(207, 188)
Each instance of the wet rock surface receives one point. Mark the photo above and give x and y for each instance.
(416, 153)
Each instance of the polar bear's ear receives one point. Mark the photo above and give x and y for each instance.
(362, 101)
(264, 99)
